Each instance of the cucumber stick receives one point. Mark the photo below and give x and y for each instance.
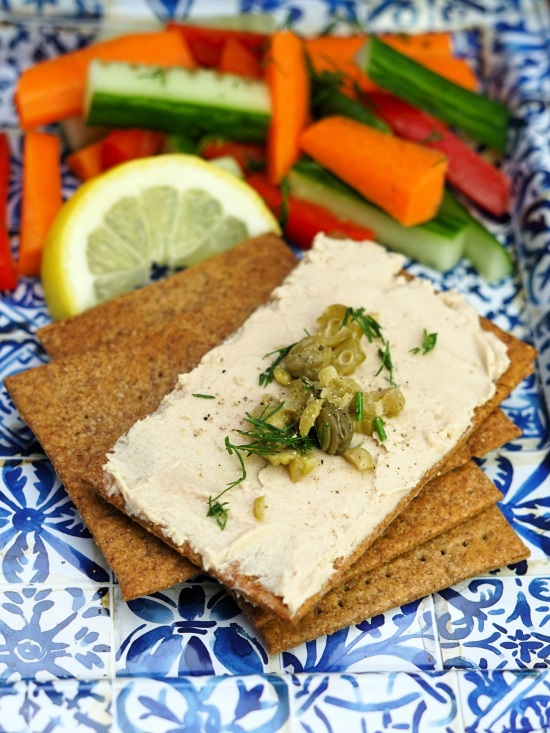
(482, 118)
(484, 251)
(439, 243)
(197, 102)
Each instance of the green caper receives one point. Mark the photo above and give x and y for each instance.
(334, 428)
(308, 357)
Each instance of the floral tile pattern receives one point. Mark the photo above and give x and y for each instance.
(75, 657)
(37, 644)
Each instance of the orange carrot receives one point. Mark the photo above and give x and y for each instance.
(453, 69)
(288, 82)
(395, 174)
(420, 44)
(41, 197)
(334, 53)
(238, 59)
(54, 90)
(338, 54)
(86, 163)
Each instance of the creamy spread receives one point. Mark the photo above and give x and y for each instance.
(169, 464)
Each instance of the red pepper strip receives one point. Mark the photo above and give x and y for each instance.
(250, 156)
(238, 59)
(304, 220)
(8, 271)
(206, 44)
(120, 146)
(477, 179)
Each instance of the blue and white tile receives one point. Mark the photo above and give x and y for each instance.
(503, 701)
(250, 703)
(54, 633)
(42, 537)
(524, 482)
(399, 701)
(68, 705)
(495, 623)
(403, 639)
(191, 629)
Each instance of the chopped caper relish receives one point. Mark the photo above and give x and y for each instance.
(323, 406)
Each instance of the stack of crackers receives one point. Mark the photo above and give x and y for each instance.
(113, 365)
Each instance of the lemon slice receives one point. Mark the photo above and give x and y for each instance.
(166, 212)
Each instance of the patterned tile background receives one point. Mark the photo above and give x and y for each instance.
(74, 656)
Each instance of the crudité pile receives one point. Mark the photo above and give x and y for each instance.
(358, 135)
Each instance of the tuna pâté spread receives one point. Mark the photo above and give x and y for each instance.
(168, 466)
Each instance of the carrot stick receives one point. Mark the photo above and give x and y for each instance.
(237, 59)
(86, 163)
(420, 44)
(54, 90)
(455, 70)
(41, 197)
(338, 54)
(404, 179)
(288, 82)
(333, 53)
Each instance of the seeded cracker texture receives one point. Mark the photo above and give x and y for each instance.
(481, 544)
(521, 356)
(265, 261)
(443, 503)
(78, 406)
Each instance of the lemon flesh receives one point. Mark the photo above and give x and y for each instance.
(169, 211)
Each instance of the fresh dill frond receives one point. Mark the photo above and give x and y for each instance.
(265, 440)
(387, 363)
(429, 340)
(204, 396)
(267, 376)
(369, 325)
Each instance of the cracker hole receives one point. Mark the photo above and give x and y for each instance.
(484, 537)
(388, 575)
(318, 610)
(465, 543)
(341, 604)
(346, 588)
(367, 582)
(160, 374)
(442, 552)
(422, 559)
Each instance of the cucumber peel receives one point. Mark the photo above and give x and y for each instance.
(484, 119)
(438, 243)
(485, 252)
(199, 101)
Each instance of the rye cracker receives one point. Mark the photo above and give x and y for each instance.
(521, 357)
(483, 543)
(443, 503)
(181, 294)
(77, 407)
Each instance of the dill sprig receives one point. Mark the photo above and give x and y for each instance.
(369, 325)
(265, 439)
(387, 363)
(372, 330)
(429, 340)
(267, 376)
